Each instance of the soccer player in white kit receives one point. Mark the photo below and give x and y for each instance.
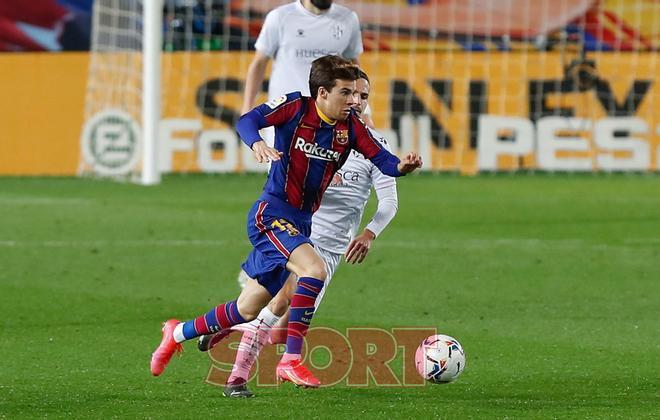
(334, 233)
(294, 35)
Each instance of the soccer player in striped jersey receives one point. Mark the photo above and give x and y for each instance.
(313, 138)
(334, 233)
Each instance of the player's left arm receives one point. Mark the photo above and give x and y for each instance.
(388, 204)
(388, 163)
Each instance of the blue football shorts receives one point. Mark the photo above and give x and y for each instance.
(274, 233)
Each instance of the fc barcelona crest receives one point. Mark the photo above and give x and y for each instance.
(341, 136)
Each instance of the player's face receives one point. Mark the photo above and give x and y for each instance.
(362, 93)
(337, 103)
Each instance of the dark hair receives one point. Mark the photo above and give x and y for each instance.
(363, 75)
(327, 70)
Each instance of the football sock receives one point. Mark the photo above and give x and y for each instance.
(254, 339)
(221, 317)
(300, 315)
(277, 336)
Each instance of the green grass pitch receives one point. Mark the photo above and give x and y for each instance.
(550, 282)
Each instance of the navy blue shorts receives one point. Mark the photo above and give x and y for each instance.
(275, 229)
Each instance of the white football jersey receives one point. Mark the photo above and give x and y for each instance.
(337, 220)
(295, 37)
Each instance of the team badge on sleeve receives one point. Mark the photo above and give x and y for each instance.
(275, 102)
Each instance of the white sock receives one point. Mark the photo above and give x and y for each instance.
(264, 322)
(178, 333)
(268, 317)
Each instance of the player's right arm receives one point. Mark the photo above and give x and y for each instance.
(388, 204)
(254, 79)
(266, 46)
(275, 112)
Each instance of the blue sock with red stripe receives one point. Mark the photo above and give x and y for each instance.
(301, 312)
(219, 318)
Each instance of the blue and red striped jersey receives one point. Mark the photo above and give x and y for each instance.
(312, 150)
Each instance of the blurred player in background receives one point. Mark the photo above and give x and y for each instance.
(314, 137)
(294, 35)
(334, 233)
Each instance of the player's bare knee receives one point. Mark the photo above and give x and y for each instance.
(248, 314)
(248, 309)
(315, 270)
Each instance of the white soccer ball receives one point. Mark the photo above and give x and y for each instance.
(440, 359)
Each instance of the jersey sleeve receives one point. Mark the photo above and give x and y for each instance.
(367, 144)
(275, 112)
(268, 41)
(388, 202)
(385, 187)
(355, 47)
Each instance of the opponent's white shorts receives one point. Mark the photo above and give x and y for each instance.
(268, 134)
(331, 261)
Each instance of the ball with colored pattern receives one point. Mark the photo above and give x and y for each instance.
(440, 359)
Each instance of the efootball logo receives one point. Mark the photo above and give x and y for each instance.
(110, 142)
(314, 151)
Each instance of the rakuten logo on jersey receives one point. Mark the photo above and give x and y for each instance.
(314, 151)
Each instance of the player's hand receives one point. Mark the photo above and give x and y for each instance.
(409, 163)
(359, 247)
(264, 153)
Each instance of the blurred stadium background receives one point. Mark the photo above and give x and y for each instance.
(484, 85)
(550, 282)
